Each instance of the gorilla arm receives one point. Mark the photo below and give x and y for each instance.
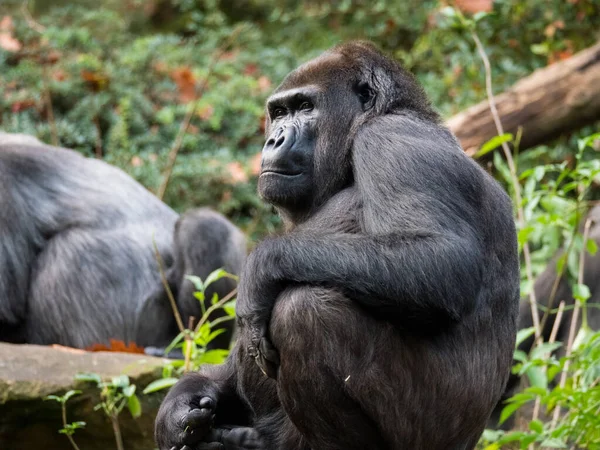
(417, 258)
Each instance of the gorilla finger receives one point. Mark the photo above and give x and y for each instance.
(210, 446)
(243, 438)
(198, 418)
(207, 402)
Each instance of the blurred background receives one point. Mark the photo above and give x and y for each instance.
(114, 78)
(173, 92)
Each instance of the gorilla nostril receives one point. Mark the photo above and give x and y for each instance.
(270, 142)
(280, 141)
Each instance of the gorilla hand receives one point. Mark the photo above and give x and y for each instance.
(187, 413)
(257, 293)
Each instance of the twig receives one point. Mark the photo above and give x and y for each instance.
(165, 283)
(31, 22)
(48, 101)
(574, 320)
(64, 420)
(188, 348)
(185, 124)
(557, 321)
(114, 418)
(515, 179)
(98, 137)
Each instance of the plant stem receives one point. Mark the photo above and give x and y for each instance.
(114, 418)
(165, 283)
(64, 421)
(515, 180)
(213, 307)
(574, 320)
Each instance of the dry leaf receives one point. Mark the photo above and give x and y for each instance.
(475, 6)
(186, 83)
(237, 174)
(7, 41)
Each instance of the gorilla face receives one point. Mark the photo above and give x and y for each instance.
(310, 128)
(314, 117)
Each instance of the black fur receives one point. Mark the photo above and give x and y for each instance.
(385, 317)
(77, 263)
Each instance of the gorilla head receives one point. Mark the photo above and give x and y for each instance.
(313, 118)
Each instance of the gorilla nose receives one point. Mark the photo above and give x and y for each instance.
(281, 140)
(279, 154)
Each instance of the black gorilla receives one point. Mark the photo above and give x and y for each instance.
(77, 264)
(204, 241)
(543, 286)
(386, 316)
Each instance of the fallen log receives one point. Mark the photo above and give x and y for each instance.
(560, 98)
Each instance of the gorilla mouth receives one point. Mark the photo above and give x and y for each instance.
(282, 173)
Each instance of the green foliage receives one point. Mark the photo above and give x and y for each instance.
(116, 80)
(115, 394)
(68, 429)
(193, 343)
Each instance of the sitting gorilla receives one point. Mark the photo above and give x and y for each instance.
(385, 317)
(77, 262)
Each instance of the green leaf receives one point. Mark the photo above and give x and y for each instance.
(553, 443)
(537, 377)
(591, 247)
(129, 390)
(523, 334)
(508, 411)
(121, 381)
(196, 281)
(581, 292)
(217, 275)
(70, 394)
(159, 385)
(537, 426)
(584, 335)
(493, 144)
(91, 377)
(134, 406)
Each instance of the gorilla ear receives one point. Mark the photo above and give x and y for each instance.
(366, 95)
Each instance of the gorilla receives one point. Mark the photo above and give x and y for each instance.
(543, 286)
(204, 241)
(77, 259)
(385, 316)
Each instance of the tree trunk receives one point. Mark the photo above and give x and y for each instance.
(559, 98)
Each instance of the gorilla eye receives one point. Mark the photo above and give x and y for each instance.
(278, 112)
(306, 106)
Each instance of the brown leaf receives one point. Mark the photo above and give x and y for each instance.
(250, 69)
(237, 174)
(475, 6)
(186, 83)
(95, 80)
(255, 164)
(7, 41)
(136, 161)
(264, 84)
(116, 346)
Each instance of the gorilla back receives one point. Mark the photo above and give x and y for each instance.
(77, 262)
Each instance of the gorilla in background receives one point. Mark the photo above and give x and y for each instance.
(543, 290)
(385, 317)
(77, 262)
(204, 241)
